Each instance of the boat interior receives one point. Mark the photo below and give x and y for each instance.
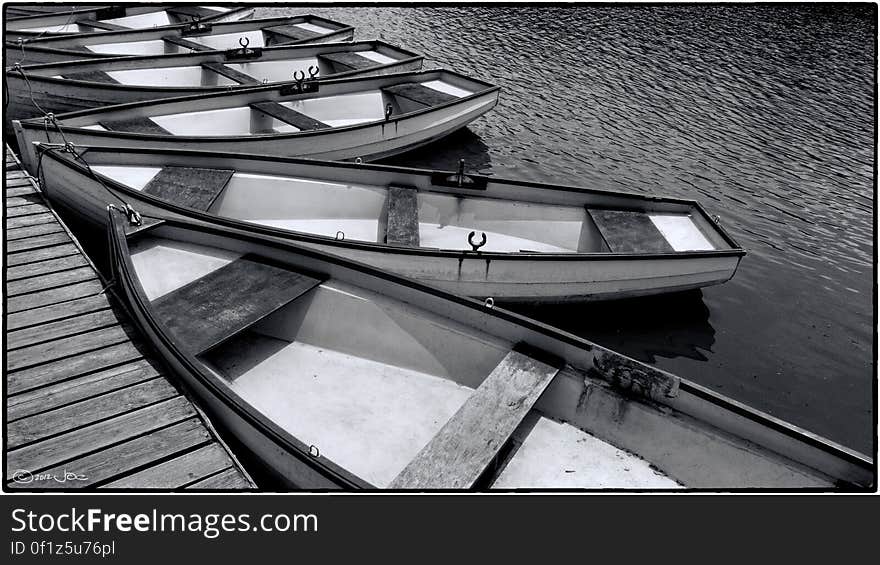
(383, 388)
(274, 65)
(333, 106)
(380, 209)
(129, 19)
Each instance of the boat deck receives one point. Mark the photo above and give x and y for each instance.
(86, 405)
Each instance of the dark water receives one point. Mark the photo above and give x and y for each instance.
(763, 113)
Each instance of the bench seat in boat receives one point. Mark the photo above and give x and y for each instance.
(230, 73)
(420, 94)
(188, 186)
(403, 216)
(289, 116)
(346, 61)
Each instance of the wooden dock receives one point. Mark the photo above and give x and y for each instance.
(86, 405)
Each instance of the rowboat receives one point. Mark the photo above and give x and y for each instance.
(513, 241)
(181, 38)
(367, 118)
(38, 9)
(335, 374)
(103, 82)
(116, 18)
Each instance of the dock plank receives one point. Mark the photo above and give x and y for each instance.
(130, 455)
(53, 296)
(41, 254)
(67, 392)
(465, 446)
(86, 412)
(179, 471)
(49, 281)
(227, 301)
(71, 367)
(60, 329)
(38, 242)
(66, 347)
(31, 231)
(230, 479)
(26, 210)
(48, 266)
(52, 312)
(77, 443)
(20, 189)
(25, 221)
(16, 201)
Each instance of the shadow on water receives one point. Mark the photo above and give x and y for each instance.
(670, 326)
(445, 153)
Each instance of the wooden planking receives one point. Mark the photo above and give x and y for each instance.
(48, 281)
(292, 33)
(230, 73)
(91, 76)
(418, 93)
(135, 124)
(31, 231)
(230, 479)
(37, 242)
(48, 266)
(20, 189)
(64, 347)
(62, 328)
(41, 254)
(102, 25)
(53, 296)
(58, 311)
(191, 187)
(186, 43)
(26, 221)
(16, 201)
(71, 367)
(403, 216)
(67, 392)
(465, 446)
(288, 116)
(629, 232)
(130, 455)
(347, 61)
(178, 472)
(86, 412)
(227, 301)
(26, 210)
(77, 443)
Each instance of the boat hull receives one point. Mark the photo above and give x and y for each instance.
(527, 279)
(374, 141)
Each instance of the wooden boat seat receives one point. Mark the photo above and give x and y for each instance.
(186, 13)
(420, 94)
(138, 124)
(629, 231)
(227, 301)
(286, 115)
(230, 73)
(186, 43)
(188, 186)
(346, 61)
(92, 76)
(468, 443)
(292, 32)
(403, 216)
(106, 26)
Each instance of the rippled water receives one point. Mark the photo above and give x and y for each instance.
(763, 113)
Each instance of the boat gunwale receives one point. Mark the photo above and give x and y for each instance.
(194, 90)
(43, 44)
(735, 251)
(27, 35)
(489, 89)
(719, 401)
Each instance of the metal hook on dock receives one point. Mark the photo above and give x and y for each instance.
(476, 246)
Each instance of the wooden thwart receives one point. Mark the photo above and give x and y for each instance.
(418, 93)
(92, 76)
(139, 124)
(629, 232)
(466, 445)
(188, 186)
(192, 45)
(230, 73)
(229, 300)
(292, 33)
(286, 115)
(403, 216)
(102, 25)
(347, 61)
